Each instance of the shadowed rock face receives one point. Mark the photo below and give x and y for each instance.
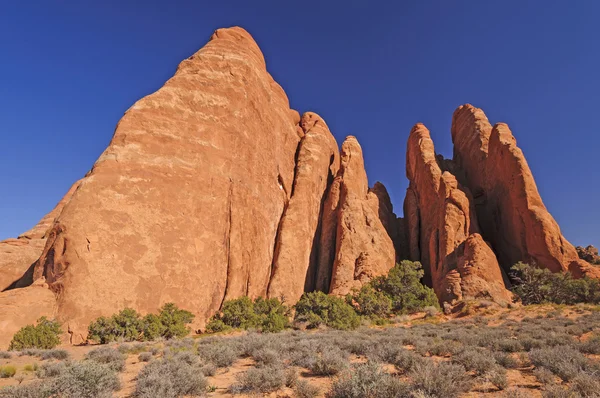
(296, 253)
(511, 212)
(211, 188)
(443, 231)
(465, 216)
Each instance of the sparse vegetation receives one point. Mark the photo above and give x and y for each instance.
(260, 380)
(45, 335)
(534, 285)
(170, 377)
(7, 371)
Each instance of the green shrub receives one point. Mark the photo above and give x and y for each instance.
(174, 321)
(267, 315)
(534, 285)
(318, 308)
(404, 288)
(45, 334)
(371, 302)
(127, 325)
(7, 371)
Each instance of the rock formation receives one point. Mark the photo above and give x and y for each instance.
(213, 188)
(589, 254)
(296, 253)
(511, 212)
(443, 230)
(363, 247)
(210, 189)
(18, 255)
(466, 215)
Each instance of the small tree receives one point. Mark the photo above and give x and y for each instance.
(45, 335)
(268, 315)
(318, 308)
(371, 302)
(403, 286)
(174, 321)
(127, 325)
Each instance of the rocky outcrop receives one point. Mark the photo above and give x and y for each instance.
(589, 254)
(442, 229)
(296, 253)
(17, 256)
(363, 246)
(511, 213)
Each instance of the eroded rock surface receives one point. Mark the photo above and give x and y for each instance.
(511, 212)
(17, 256)
(296, 253)
(184, 204)
(363, 246)
(442, 227)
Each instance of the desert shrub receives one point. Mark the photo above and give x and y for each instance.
(54, 354)
(591, 345)
(216, 325)
(544, 376)
(497, 376)
(30, 390)
(585, 385)
(45, 335)
(126, 325)
(174, 321)
(208, 369)
(506, 360)
(303, 389)
(406, 360)
(509, 345)
(317, 308)
(49, 370)
(267, 315)
(291, 377)
(431, 311)
(145, 357)
(259, 380)
(31, 367)
(266, 356)
(367, 381)
(444, 380)
(479, 361)
(563, 361)
(535, 286)
(221, 355)
(5, 355)
(370, 302)
(7, 371)
(85, 380)
(330, 362)
(107, 356)
(403, 286)
(169, 378)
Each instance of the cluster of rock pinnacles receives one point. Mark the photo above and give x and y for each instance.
(213, 188)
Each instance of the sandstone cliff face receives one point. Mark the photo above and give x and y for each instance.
(213, 188)
(442, 229)
(296, 253)
(363, 246)
(511, 212)
(184, 205)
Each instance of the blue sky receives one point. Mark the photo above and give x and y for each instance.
(372, 69)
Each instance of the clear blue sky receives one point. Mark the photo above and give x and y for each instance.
(69, 69)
